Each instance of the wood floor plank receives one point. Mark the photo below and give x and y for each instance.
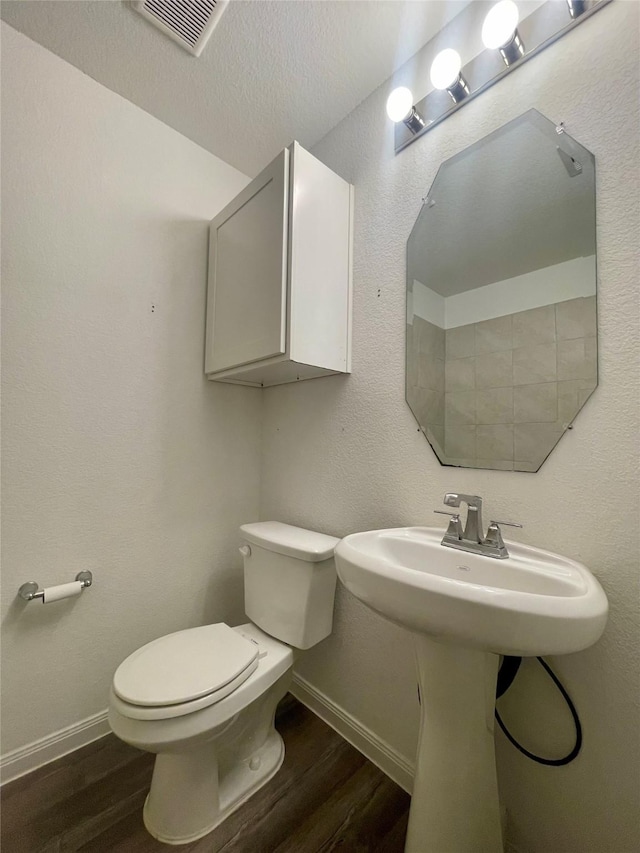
(82, 814)
(336, 824)
(128, 836)
(395, 838)
(373, 822)
(62, 778)
(325, 797)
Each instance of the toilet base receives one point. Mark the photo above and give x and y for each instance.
(188, 796)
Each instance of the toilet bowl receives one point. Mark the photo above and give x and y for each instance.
(204, 699)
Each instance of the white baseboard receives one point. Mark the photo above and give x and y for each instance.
(27, 758)
(380, 753)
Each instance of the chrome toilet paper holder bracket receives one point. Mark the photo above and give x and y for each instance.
(29, 591)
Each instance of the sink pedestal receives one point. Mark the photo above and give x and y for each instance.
(454, 806)
(531, 603)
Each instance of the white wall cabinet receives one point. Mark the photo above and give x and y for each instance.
(279, 295)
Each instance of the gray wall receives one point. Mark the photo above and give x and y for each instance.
(118, 455)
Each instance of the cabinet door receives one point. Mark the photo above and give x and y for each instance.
(247, 295)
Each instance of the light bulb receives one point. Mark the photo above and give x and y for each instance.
(399, 104)
(445, 69)
(500, 24)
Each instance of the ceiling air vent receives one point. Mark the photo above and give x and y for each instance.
(189, 22)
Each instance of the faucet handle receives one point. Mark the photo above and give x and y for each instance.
(494, 535)
(454, 530)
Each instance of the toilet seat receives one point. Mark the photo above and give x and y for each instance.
(193, 668)
(274, 659)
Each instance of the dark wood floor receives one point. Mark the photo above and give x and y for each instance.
(326, 797)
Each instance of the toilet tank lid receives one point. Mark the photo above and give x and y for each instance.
(292, 541)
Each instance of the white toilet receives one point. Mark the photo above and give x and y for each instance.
(204, 699)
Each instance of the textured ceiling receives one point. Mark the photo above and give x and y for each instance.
(273, 70)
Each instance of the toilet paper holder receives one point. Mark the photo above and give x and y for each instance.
(29, 590)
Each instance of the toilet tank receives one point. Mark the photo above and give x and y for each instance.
(289, 581)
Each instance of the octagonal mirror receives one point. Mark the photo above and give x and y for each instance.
(501, 298)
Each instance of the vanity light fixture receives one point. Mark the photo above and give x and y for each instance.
(509, 41)
(500, 31)
(445, 74)
(400, 108)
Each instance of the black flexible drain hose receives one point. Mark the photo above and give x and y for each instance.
(506, 675)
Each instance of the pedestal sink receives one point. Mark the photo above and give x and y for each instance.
(464, 611)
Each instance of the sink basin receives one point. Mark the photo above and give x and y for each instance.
(532, 603)
(464, 610)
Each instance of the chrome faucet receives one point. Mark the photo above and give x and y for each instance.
(472, 538)
(473, 528)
